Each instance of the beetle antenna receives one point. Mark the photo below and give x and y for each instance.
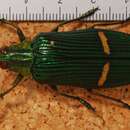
(19, 31)
(85, 15)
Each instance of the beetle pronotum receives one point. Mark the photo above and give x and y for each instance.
(89, 58)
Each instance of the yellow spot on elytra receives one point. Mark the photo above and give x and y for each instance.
(104, 74)
(104, 41)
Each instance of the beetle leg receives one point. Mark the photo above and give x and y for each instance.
(19, 31)
(117, 101)
(14, 84)
(85, 15)
(115, 25)
(82, 101)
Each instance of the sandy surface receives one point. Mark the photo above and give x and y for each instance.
(32, 106)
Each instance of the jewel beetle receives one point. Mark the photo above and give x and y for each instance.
(88, 58)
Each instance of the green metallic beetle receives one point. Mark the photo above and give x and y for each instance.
(90, 58)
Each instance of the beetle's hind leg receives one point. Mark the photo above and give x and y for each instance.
(19, 31)
(113, 100)
(111, 25)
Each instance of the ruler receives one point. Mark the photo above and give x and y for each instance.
(58, 10)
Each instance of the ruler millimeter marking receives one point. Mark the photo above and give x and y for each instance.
(58, 10)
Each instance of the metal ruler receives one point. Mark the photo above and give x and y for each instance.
(57, 10)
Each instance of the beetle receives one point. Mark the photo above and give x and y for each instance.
(89, 58)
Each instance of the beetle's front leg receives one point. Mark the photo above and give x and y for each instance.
(19, 31)
(14, 85)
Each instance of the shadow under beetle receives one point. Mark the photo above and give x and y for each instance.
(89, 58)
